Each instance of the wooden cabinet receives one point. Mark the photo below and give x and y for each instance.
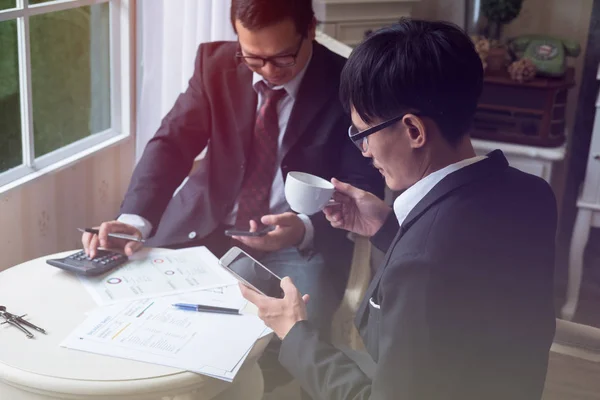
(534, 160)
(349, 20)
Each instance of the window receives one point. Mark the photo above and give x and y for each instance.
(64, 81)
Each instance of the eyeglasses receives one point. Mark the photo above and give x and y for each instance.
(360, 138)
(282, 61)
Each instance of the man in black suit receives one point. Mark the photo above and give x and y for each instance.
(261, 107)
(462, 307)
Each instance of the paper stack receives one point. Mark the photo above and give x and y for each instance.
(137, 321)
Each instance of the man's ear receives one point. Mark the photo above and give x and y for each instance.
(416, 130)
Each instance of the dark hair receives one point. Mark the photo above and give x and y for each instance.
(426, 67)
(258, 14)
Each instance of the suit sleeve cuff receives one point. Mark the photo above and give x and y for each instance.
(309, 233)
(141, 223)
(292, 347)
(383, 238)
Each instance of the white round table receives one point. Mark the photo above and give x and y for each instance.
(35, 369)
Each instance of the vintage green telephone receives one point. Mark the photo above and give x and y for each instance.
(547, 53)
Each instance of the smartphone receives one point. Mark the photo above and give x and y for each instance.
(258, 233)
(251, 273)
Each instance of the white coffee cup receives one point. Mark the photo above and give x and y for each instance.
(306, 193)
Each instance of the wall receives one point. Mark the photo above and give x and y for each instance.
(42, 216)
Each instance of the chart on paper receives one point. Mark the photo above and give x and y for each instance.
(161, 331)
(151, 330)
(157, 273)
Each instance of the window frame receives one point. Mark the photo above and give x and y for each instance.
(122, 89)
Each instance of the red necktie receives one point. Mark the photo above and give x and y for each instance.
(253, 201)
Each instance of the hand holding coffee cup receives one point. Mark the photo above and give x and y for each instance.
(307, 194)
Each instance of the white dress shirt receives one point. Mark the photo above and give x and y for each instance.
(277, 202)
(408, 199)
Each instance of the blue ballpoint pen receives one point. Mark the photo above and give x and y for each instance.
(203, 308)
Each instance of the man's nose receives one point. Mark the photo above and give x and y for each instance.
(269, 69)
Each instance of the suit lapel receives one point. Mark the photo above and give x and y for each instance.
(495, 162)
(312, 96)
(243, 102)
(372, 289)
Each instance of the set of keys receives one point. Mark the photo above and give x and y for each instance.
(18, 322)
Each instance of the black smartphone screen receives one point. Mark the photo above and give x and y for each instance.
(238, 232)
(256, 275)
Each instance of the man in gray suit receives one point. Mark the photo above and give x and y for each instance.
(262, 106)
(462, 306)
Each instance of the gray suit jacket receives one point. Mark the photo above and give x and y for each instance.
(462, 307)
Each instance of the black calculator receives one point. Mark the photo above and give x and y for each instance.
(81, 264)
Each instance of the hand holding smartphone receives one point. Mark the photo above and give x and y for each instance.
(259, 233)
(251, 273)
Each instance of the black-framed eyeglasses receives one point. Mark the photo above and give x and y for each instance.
(360, 138)
(282, 61)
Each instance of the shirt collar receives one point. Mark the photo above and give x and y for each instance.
(408, 199)
(292, 86)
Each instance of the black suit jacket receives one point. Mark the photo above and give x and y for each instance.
(218, 111)
(462, 307)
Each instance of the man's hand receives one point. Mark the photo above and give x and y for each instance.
(279, 314)
(91, 242)
(289, 231)
(360, 212)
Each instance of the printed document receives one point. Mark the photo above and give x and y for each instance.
(151, 330)
(159, 272)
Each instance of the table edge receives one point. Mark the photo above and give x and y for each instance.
(181, 381)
